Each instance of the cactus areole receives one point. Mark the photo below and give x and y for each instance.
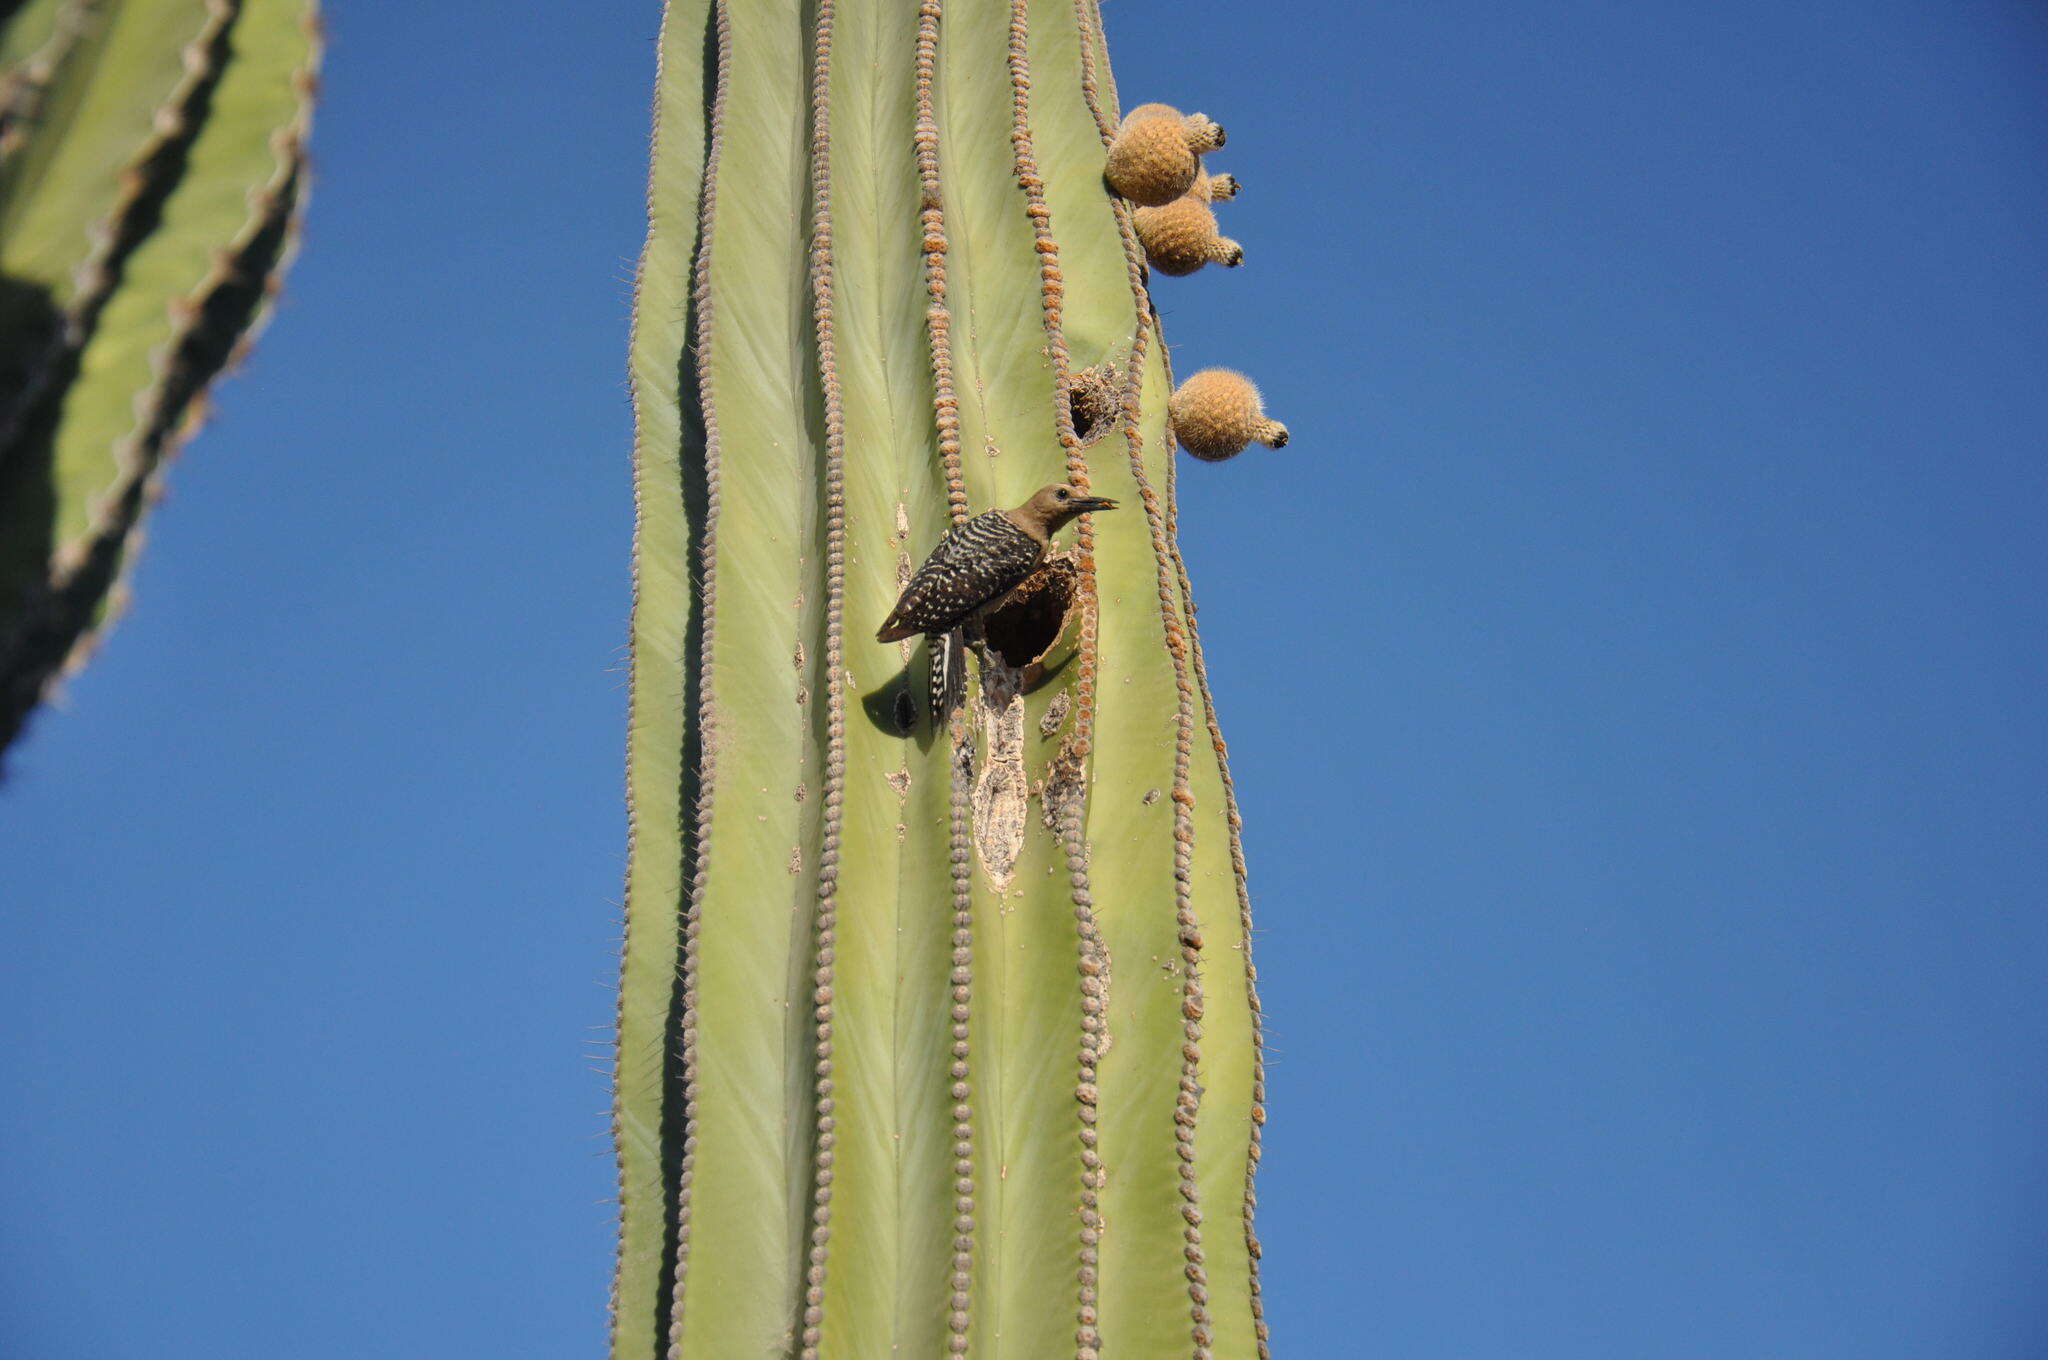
(937, 1032)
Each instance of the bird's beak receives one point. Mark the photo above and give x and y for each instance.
(1088, 503)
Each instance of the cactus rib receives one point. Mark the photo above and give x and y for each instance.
(742, 1276)
(1052, 291)
(654, 1071)
(896, 1174)
(1234, 1259)
(1095, 57)
(960, 763)
(699, 812)
(826, 924)
(707, 713)
(945, 403)
(1188, 1103)
(1142, 1284)
(33, 65)
(1188, 1100)
(1234, 827)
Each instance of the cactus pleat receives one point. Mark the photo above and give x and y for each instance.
(665, 749)
(932, 248)
(1233, 1076)
(144, 218)
(934, 1037)
(113, 106)
(34, 43)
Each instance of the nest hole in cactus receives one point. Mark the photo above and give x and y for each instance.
(1093, 398)
(1027, 625)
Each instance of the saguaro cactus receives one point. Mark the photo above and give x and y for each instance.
(152, 170)
(934, 1036)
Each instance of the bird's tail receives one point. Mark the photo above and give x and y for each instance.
(948, 674)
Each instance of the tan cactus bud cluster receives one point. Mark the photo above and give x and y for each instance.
(1217, 412)
(1156, 156)
(1155, 161)
(1182, 237)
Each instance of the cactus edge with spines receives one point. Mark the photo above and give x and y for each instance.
(152, 177)
(935, 1036)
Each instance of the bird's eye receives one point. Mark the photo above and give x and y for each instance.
(1060, 494)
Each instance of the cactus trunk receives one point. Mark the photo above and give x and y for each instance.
(936, 1033)
(152, 171)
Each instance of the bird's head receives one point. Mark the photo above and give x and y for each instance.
(1052, 506)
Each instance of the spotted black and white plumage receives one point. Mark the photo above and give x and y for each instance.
(975, 564)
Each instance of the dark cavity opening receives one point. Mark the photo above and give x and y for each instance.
(1032, 619)
(1092, 400)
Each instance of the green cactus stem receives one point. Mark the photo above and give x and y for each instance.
(935, 1035)
(152, 172)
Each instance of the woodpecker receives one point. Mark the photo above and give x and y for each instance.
(976, 566)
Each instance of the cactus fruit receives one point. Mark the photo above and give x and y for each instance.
(937, 1034)
(1214, 188)
(1157, 152)
(1182, 237)
(1216, 413)
(152, 173)
(1151, 163)
(1204, 133)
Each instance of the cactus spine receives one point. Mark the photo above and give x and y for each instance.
(152, 172)
(932, 1038)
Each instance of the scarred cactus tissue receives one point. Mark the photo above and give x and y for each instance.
(1217, 412)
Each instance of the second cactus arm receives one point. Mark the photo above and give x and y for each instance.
(152, 173)
(917, 1055)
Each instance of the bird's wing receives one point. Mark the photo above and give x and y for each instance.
(975, 563)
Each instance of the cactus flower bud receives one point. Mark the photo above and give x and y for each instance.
(1182, 237)
(1216, 413)
(1156, 155)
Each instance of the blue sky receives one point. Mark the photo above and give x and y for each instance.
(1633, 669)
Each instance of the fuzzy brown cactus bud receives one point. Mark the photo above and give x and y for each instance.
(1150, 163)
(1214, 188)
(1181, 237)
(1204, 133)
(1217, 412)
(1157, 153)
(1154, 111)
